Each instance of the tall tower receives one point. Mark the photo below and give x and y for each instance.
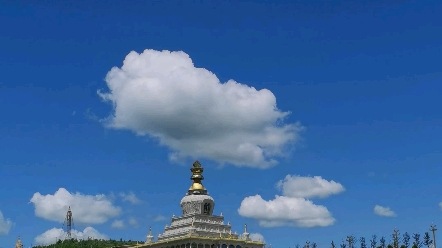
(18, 244)
(433, 230)
(68, 222)
(149, 238)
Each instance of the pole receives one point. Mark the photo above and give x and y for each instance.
(433, 230)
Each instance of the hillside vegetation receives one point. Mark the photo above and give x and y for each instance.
(73, 243)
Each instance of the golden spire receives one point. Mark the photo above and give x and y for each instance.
(197, 176)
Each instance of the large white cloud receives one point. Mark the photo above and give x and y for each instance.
(86, 209)
(163, 95)
(285, 211)
(292, 208)
(309, 187)
(5, 224)
(384, 211)
(52, 235)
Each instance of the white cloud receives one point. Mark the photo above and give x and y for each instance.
(133, 222)
(309, 187)
(130, 197)
(159, 218)
(118, 224)
(293, 208)
(5, 224)
(257, 237)
(285, 211)
(86, 209)
(163, 95)
(50, 236)
(384, 211)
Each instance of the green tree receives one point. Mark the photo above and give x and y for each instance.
(427, 240)
(382, 242)
(362, 242)
(314, 245)
(406, 240)
(417, 242)
(395, 237)
(343, 245)
(351, 240)
(373, 241)
(333, 245)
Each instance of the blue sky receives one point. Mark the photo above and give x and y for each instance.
(362, 79)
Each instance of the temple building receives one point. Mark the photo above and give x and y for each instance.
(198, 227)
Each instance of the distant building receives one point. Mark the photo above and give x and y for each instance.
(18, 244)
(198, 227)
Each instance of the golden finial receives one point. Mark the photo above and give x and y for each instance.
(197, 176)
(196, 164)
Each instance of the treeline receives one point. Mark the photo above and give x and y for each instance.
(95, 243)
(396, 241)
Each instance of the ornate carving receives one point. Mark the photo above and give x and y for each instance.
(207, 208)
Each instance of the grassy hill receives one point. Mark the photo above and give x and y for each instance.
(73, 243)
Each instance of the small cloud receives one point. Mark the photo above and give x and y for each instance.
(130, 197)
(309, 187)
(5, 224)
(118, 224)
(88, 114)
(285, 211)
(257, 237)
(133, 222)
(159, 218)
(384, 211)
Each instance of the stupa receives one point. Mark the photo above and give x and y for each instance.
(197, 227)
